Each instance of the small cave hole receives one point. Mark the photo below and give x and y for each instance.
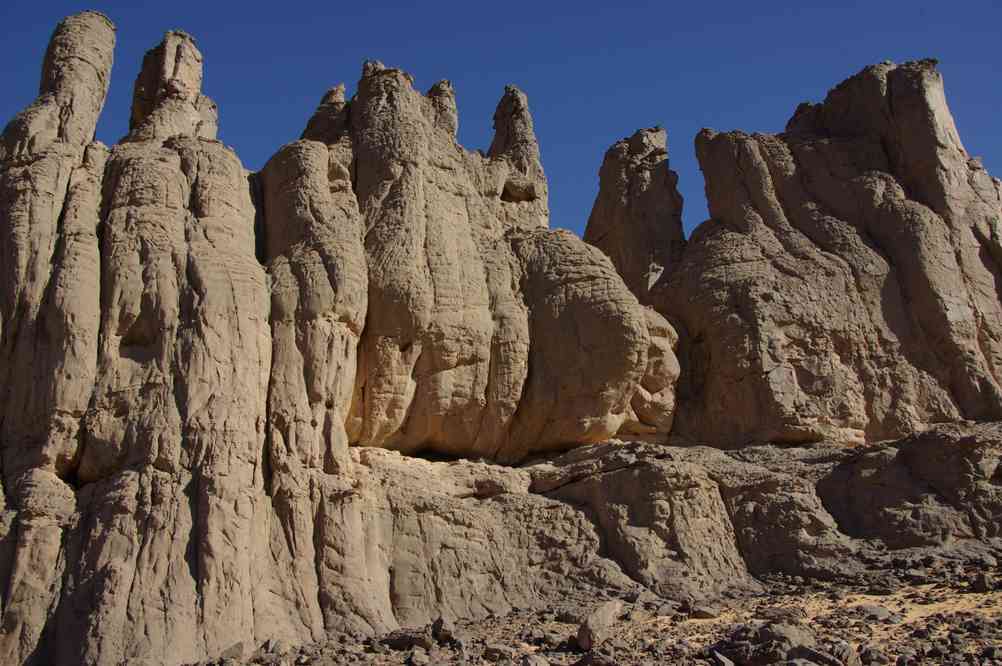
(516, 192)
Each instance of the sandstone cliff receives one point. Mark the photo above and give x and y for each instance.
(472, 303)
(637, 216)
(190, 349)
(848, 283)
(215, 382)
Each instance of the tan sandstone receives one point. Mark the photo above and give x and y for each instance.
(216, 384)
(189, 350)
(847, 285)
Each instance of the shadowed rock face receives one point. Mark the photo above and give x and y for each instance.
(637, 216)
(848, 283)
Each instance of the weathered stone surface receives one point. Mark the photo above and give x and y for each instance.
(314, 253)
(167, 98)
(847, 285)
(213, 381)
(71, 93)
(473, 306)
(189, 350)
(171, 502)
(652, 409)
(895, 494)
(150, 397)
(637, 215)
(50, 178)
(49, 197)
(599, 624)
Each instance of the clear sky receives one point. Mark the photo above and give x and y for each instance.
(594, 72)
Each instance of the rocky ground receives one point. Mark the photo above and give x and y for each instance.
(918, 610)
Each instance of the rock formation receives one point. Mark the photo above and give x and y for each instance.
(177, 416)
(215, 383)
(848, 284)
(637, 216)
(472, 304)
(50, 184)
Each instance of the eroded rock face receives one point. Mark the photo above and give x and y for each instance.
(473, 305)
(188, 350)
(50, 184)
(847, 285)
(637, 216)
(175, 428)
(893, 494)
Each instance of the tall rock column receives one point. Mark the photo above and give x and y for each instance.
(637, 216)
(314, 255)
(50, 178)
(164, 556)
(426, 349)
(636, 221)
(314, 252)
(50, 174)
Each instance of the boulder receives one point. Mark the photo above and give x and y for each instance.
(598, 625)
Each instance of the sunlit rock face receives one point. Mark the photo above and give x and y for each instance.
(188, 352)
(848, 284)
(216, 383)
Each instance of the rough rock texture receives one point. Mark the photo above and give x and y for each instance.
(49, 197)
(597, 627)
(804, 622)
(50, 181)
(637, 215)
(691, 532)
(848, 283)
(189, 352)
(189, 349)
(892, 494)
(473, 306)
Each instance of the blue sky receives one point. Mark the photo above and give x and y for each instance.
(594, 72)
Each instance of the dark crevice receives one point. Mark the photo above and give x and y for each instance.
(577, 478)
(256, 188)
(267, 471)
(514, 192)
(71, 476)
(192, 552)
(318, 554)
